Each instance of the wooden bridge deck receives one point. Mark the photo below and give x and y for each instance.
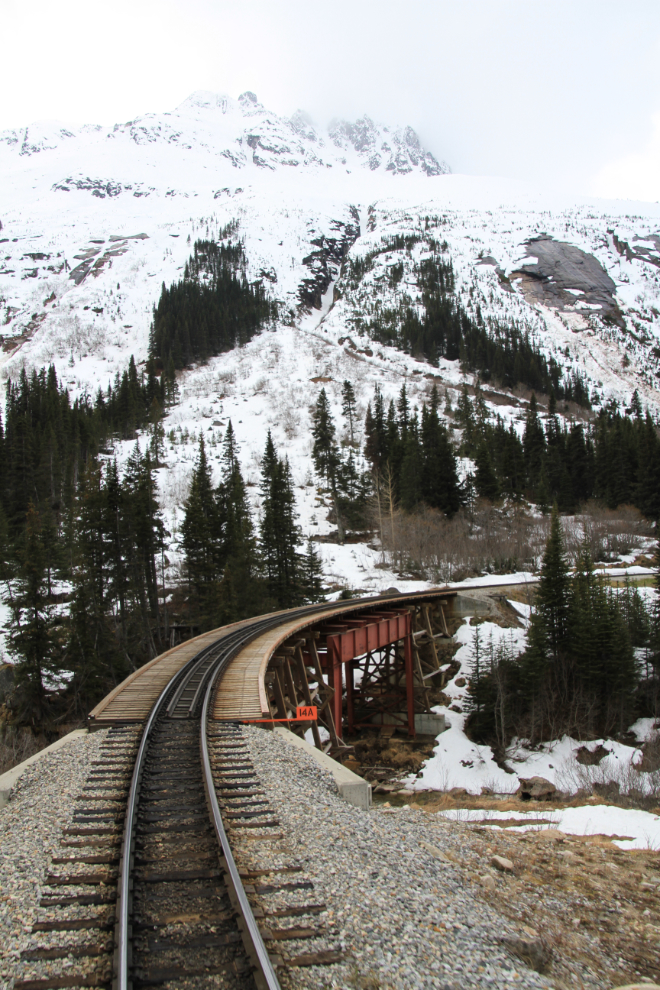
(133, 699)
(241, 693)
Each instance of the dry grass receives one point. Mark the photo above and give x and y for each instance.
(593, 906)
(590, 901)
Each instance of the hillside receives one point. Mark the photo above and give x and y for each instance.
(345, 233)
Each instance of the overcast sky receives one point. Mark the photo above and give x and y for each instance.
(554, 91)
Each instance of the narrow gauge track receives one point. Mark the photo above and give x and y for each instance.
(182, 912)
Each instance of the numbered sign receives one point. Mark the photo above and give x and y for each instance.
(306, 714)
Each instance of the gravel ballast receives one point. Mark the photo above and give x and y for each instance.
(31, 824)
(403, 893)
(394, 882)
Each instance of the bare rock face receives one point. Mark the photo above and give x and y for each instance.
(591, 757)
(536, 788)
(565, 277)
(398, 150)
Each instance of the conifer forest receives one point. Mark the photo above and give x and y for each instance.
(84, 544)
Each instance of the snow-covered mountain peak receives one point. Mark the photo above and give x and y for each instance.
(399, 151)
(202, 100)
(43, 135)
(236, 132)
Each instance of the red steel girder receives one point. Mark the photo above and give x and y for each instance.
(382, 629)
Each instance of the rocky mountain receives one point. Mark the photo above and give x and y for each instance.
(337, 227)
(243, 132)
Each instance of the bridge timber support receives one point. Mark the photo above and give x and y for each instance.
(366, 665)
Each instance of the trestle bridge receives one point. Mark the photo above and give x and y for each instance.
(176, 792)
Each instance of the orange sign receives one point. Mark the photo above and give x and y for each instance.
(306, 714)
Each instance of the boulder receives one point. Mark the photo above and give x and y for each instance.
(549, 835)
(535, 788)
(433, 850)
(502, 864)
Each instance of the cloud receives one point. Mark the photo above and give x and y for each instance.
(635, 176)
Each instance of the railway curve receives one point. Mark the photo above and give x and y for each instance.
(197, 692)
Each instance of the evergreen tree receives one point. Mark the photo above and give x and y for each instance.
(484, 479)
(324, 451)
(34, 638)
(553, 588)
(349, 407)
(533, 445)
(440, 487)
(213, 308)
(280, 535)
(199, 538)
(240, 590)
(312, 574)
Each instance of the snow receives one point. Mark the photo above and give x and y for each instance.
(457, 761)
(633, 829)
(140, 194)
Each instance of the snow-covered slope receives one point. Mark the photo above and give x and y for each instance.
(94, 220)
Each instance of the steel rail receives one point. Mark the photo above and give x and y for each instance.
(234, 642)
(123, 938)
(264, 975)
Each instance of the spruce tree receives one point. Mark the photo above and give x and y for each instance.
(33, 637)
(533, 446)
(240, 591)
(485, 480)
(199, 539)
(440, 487)
(349, 407)
(280, 535)
(552, 597)
(324, 451)
(312, 574)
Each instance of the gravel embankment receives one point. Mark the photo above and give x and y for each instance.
(410, 899)
(407, 916)
(31, 826)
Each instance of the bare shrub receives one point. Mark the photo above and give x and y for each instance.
(175, 487)
(290, 422)
(607, 532)
(627, 783)
(495, 540)
(438, 549)
(17, 745)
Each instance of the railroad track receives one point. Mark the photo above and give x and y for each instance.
(150, 843)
